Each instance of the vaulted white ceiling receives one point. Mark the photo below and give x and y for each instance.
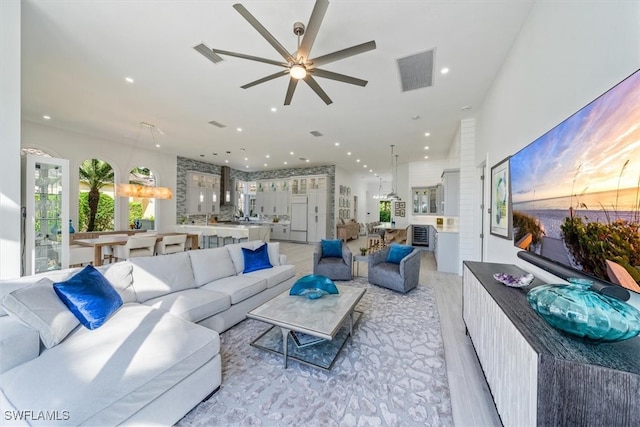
(77, 54)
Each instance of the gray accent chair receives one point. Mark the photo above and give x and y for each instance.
(333, 267)
(398, 277)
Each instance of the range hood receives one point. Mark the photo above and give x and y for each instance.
(227, 198)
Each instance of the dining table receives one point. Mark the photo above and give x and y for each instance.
(98, 243)
(392, 233)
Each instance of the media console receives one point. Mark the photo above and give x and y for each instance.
(538, 375)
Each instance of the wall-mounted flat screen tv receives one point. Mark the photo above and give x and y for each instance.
(576, 189)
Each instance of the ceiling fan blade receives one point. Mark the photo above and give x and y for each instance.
(263, 32)
(339, 77)
(344, 53)
(317, 89)
(250, 57)
(317, 15)
(208, 53)
(292, 87)
(266, 79)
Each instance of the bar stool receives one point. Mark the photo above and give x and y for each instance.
(224, 235)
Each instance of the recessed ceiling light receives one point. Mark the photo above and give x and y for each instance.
(274, 109)
(246, 158)
(445, 70)
(348, 153)
(364, 166)
(357, 160)
(46, 117)
(157, 145)
(267, 156)
(307, 160)
(466, 108)
(286, 163)
(265, 165)
(427, 134)
(239, 129)
(247, 166)
(337, 144)
(128, 79)
(226, 161)
(242, 149)
(416, 117)
(370, 170)
(426, 147)
(426, 157)
(291, 152)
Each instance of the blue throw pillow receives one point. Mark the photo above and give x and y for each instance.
(331, 248)
(397, 252)
(256, 259)
(89, 296)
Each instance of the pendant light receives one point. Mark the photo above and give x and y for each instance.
(393, 196)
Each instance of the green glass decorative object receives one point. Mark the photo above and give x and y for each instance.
(577, 310)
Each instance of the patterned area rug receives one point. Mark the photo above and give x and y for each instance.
(390, 373)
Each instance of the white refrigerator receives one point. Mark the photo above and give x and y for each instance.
(298, 218)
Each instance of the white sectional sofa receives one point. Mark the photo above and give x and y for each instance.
(152, 361)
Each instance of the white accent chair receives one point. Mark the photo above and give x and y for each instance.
(171, 244)
(107, 251)
(136, 247)
(80, 255)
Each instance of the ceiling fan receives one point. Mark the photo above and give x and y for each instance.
(297, 65)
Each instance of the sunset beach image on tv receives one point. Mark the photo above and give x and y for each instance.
(576, 189)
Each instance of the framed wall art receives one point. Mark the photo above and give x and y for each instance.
(500, 208)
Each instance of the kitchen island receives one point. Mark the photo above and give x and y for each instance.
(234, 231)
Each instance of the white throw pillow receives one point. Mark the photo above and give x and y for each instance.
(120, 275)
(38, 307)
(273, 249)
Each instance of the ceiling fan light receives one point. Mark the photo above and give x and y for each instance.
(298, 71)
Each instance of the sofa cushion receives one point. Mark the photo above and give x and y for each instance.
(18, 343)
(192, 304)
(273, 248)
(211, 264)
(256, 259)
(38, 307)
(397, 252)
(275, 275)
(239, 288)
(160, 275)
(104, 376)
(89, 296)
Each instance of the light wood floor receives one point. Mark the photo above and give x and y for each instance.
(471, 400)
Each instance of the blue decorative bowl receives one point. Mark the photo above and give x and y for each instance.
(577, 310)
(313, 286)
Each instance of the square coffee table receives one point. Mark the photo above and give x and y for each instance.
(322, 318)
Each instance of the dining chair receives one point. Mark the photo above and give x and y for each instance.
(135, 247)
(107, 251)
(171, 244)
(80, 255)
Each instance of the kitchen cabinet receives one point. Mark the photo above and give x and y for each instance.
(46, 197)
(272, 197)
(451, 190)
(280, 231)
(445, 247)
(203, 192)
(317, 221)
(426, 200)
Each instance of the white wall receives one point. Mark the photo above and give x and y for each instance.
(9, 139)
(358, 188)
(78, 147)
(567, 54)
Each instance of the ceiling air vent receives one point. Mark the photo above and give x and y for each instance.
(416, 71)
(315, 133)
(217, 124)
